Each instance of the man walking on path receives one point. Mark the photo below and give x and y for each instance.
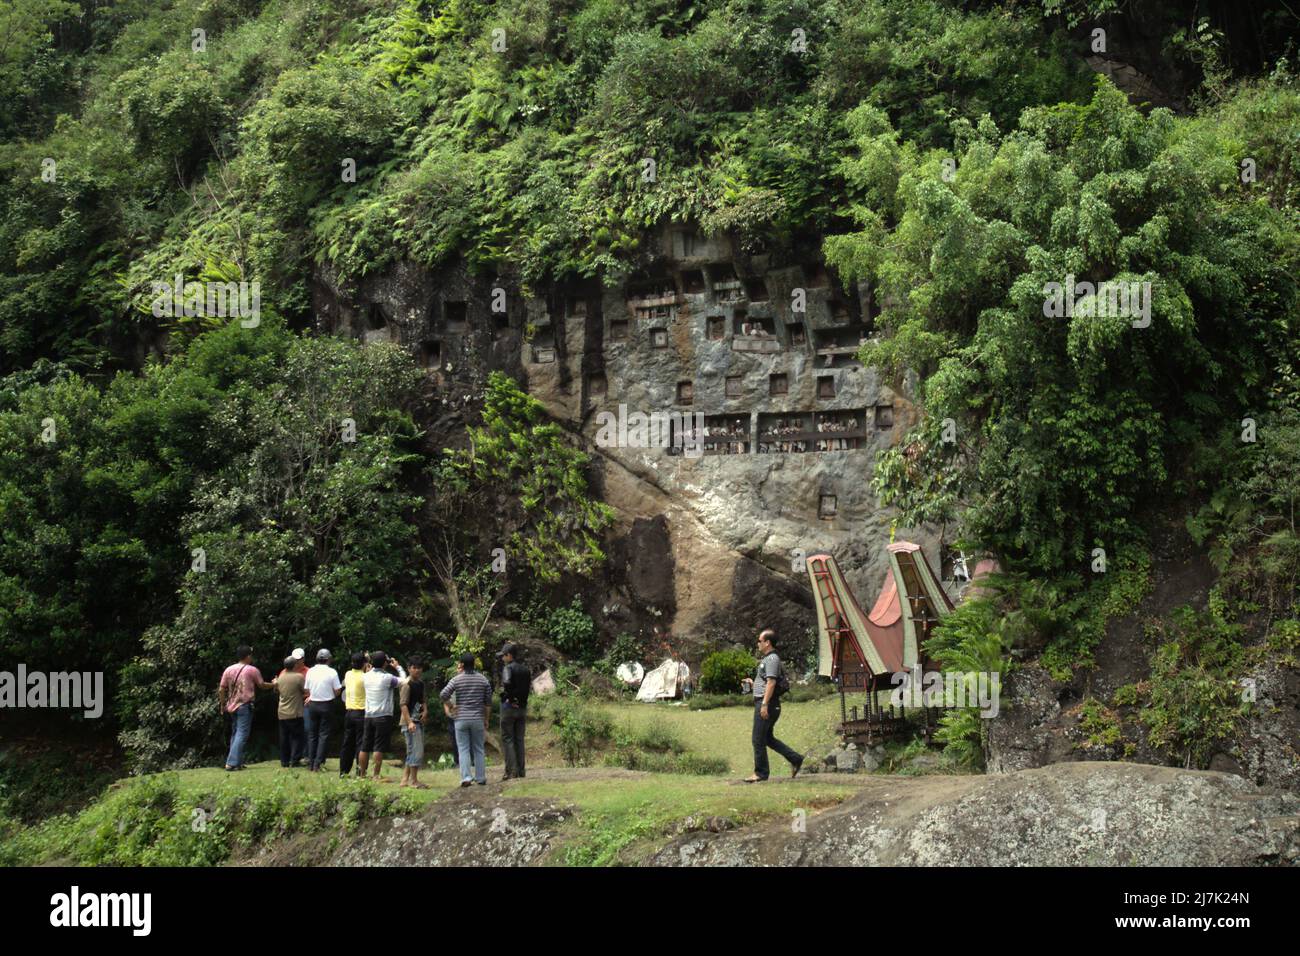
(323, 688)
(516, 681)
(471, 711)
(240, 683)
(379, 710)
(354, 712)
(767, 688)
(293, 741)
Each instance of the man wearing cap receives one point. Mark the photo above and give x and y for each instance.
(323, 688)
(516, 681)
(289, 714)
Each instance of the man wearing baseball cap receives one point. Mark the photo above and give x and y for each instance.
(323, 688)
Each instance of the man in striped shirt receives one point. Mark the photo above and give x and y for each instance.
(470, 712)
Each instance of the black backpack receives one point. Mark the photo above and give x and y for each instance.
(782, 682)
(518, 682)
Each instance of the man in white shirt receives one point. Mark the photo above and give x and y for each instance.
(323, 688)
(380, 685)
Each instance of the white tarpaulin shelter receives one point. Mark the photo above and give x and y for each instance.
(661, 683)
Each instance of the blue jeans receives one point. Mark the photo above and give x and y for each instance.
(317, 713)
(469, 743)
(242, 723)
(414, 745)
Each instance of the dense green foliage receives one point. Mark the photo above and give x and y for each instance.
(722, 671)
(974, 639)
(214, 500)
(260, 488)
(509, 133)
(1045, 435)
(580, 728)
(513, 504)
(1250, 519)
(1194, 697)
(308, 537)
(956, 156)
(157, 821)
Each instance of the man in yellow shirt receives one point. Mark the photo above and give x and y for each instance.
(354, 713)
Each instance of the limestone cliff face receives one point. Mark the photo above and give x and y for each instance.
(764, 427)
(1075, 814)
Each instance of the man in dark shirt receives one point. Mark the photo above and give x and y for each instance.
(414, 717)
(516, 681)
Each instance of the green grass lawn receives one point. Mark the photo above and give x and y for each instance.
(809, 727)
(621, 818)
(208, 816)
(269, 777)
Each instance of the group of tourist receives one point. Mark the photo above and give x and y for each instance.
(308, 702)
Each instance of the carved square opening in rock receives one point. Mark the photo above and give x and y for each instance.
(659, 338)
(760, 327)
(722, 272)
(375, 318)
(778, 384)
(597, 385)
(431, 353)
(685, 393)
(501, 322)
(756, 290)
(815, 275)
(798, 335)
(716, 326)
(693, 281)
(827, 507)
(825, 386)
(884, 416)
(735, 386)
(457, 316)
(840, 430)
(618, 330)
(781, 432)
